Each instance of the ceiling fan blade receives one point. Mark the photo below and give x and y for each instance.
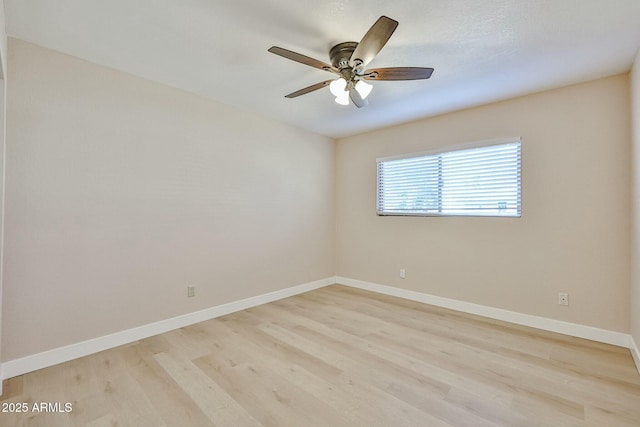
(308, 89)
(373, 41)
(298, 57)
(357, 99)
(398, 73)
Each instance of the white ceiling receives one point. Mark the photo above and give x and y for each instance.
(482, 50)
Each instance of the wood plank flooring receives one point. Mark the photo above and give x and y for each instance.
(340, 357)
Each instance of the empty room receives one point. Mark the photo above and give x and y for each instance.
(320, 213)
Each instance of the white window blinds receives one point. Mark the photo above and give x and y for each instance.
(481, 181)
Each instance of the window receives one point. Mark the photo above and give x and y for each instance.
(479, 181)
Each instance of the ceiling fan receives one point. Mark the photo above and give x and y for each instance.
(348, 60)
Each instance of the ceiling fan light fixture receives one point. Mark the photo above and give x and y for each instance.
(343, 98)
(349, 59)
(363, 88)
(338, 86)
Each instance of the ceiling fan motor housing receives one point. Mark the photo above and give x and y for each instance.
(340, 54)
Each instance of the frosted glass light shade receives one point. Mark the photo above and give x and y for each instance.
(343, 98)
(363, 88)
(338, 86)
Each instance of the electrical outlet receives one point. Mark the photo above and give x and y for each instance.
(191, 291)
(563, 299)
(403, 275)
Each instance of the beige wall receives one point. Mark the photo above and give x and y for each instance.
(2, 181)
(3, 88)
(115, 203)
(574, 232)
(121, 192)
(635, 219)
(3, 41)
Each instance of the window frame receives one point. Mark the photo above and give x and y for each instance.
(443, 150)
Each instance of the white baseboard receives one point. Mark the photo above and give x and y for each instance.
(566, 328)
(635, 352)
(55, 356)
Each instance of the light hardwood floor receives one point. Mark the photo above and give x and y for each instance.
(341, 357)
